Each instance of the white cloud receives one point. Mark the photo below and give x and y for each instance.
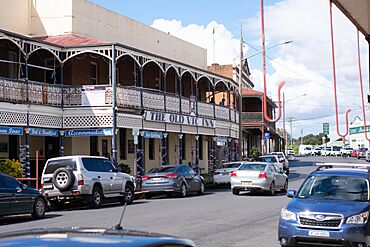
(305, 64)
(226, 46)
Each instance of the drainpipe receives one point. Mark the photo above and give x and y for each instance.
(114, 106)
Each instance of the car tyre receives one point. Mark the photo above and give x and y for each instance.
(96, 198)
(285, 188)
(63, 178)
(235, 191)
(129, 194)
(272, 189)
(39, 208)
(183, 190)
(201, 190)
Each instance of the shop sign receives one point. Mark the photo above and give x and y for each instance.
(11, 131)
(179, 119)
(356, 130)
(155, 135)
(43, 132)
(90, 132)
(220, 139)
(93, 95)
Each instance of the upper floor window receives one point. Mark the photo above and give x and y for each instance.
(93, 73)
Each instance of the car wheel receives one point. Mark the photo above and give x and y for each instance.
(96, 198)
(39, 208)
(63, 178)
(272, 189)
(235, 192)
(129, 194)
(183, 190)
(201, 190)
(285, 188)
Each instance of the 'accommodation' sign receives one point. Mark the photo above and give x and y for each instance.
(179, 119)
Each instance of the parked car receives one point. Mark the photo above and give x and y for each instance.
(222, 175)
(326, 151)
(361, 153)
(331, 208)
(290, 151)
(86, 178)
(335, 151)
(18, 198)
(270, 158)
(346, 151)
(354, 153)
(179, 179)
(304, 149)
(89, 237)
(283, 160)
(367, 156)
(258, 176)
(316, 151)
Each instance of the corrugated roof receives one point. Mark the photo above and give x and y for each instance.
(251, 92)
(69, 40)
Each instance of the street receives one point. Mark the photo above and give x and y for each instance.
(217, 218)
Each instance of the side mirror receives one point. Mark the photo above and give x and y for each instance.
(291, 193)
(24, 186)
(115, 170)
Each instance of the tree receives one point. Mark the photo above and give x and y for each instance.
(11, 167)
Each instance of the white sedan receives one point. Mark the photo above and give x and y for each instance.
(222, 175)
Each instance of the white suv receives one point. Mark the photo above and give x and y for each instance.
(87, 178)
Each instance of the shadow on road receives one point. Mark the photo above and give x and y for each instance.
(261, 194)
(15, 219)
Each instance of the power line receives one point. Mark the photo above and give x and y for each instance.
(318, 117)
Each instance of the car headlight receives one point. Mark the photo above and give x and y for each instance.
(358, 219)
(287, 215)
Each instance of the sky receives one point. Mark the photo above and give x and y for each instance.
(305, 64)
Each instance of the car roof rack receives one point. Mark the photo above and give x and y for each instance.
(321, 166)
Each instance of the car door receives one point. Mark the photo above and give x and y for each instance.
(279, 176)
(194, 179)
(5, 198)
(96, 171)
(116, 178)
(21, 201)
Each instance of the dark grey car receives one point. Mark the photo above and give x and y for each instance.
(178, 179)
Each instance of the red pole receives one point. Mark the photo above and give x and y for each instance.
(37, 169)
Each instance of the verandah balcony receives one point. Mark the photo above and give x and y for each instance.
(15, 91)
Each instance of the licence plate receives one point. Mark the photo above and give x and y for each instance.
(156, 179)
(318, 233)
(225, 173)
(48, 186)
(246, 183)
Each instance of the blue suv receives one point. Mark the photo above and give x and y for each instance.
(330, 209)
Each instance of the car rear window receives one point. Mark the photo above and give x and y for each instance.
(252, 167)
(269, 159)
(233, 165)
(53, 165)
(166, 169)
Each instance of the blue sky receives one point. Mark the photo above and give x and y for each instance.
(305, 64)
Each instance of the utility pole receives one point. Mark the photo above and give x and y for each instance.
(284, 130)
(240, 99)
(291, 130)
(301, 136)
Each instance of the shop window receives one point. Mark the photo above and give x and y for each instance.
(93, 73)
(94, 146)
(200, 147)
(123, 144)
(151, 149)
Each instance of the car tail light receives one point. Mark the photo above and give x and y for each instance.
(42, 186)
(262, 175)
(80, 180)
(171, 175)
(233, 174)
(145, 177)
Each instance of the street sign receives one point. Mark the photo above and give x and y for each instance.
(267, 135)
(135, 133)
(325, 128)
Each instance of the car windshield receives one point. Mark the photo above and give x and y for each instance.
(232, 165)
(268, 159)
(252, 167)
(335, 188)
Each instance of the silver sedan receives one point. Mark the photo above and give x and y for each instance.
(258, 176)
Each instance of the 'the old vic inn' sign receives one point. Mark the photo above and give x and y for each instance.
(179, 119)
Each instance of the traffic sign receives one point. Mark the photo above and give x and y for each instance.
(267, 135)
(135, 133)
(325, 128)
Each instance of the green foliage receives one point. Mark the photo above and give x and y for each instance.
(311, 139)
(12, 168)
(124, 168)
(294, 147)
(255, 153)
